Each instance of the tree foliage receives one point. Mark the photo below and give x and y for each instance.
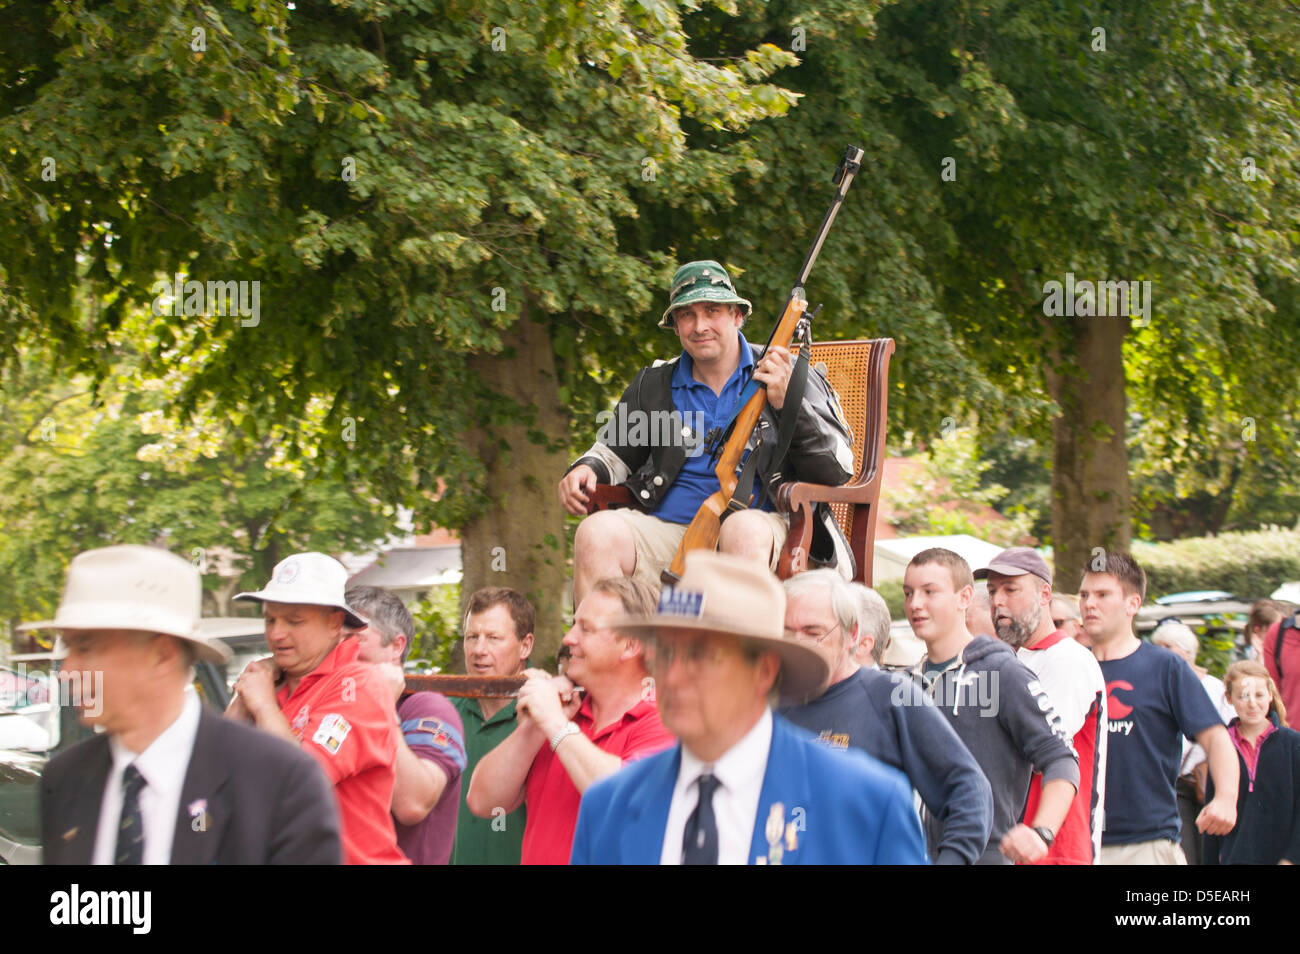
(945, 494)
(84, 466)
(406, 181)
(416, 185)
(1124, 159)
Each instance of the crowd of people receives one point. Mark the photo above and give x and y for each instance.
(725, 717)
(728, 718)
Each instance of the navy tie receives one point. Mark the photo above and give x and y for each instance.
(700, 839)
(130, 827)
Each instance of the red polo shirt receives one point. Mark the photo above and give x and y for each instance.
(550, 794)
(342, 713)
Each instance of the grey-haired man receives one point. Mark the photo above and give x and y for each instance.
(431, 752)
(888, 716)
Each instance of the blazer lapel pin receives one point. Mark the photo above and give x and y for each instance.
(781, 836)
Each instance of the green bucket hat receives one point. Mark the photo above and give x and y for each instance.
(701, 281)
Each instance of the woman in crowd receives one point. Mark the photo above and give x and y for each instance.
(1263, 614)
(1268, 800)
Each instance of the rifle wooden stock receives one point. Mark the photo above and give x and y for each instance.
(702, 534)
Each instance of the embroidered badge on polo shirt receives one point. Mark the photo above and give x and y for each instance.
(331, 732)
(300, 721)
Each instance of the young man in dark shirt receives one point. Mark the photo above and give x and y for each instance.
(1152, 699)
(996, 706)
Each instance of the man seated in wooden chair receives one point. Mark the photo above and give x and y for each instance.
(654, 445)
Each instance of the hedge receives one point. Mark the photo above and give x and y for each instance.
(1248, 564)
(892, 593)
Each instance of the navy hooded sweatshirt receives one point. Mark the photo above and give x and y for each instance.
(1007, 722)
(890, 718)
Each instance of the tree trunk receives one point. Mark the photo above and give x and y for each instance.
(520, 541)
(1090, 481)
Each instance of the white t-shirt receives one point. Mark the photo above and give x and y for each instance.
(1193, 754)
(1072, 679)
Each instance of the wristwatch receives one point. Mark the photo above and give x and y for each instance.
(571, 728)
(1045, 833)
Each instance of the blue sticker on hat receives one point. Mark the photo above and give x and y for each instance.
(678, 602)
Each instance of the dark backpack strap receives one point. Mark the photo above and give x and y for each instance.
(1282, 626)
(789, 412)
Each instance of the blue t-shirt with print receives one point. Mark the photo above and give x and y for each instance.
(1153, 699)
(703, 410)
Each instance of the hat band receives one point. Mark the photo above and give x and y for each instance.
(110, 614)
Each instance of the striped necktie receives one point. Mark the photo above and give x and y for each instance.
(130, 827)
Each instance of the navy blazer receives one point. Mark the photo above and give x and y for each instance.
(248, 798)
(817, 806)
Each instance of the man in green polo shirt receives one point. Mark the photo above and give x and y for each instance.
(498, 640)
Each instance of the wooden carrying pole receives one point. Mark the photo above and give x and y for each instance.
(470, 687)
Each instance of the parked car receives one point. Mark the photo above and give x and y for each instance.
(1211, 619)
(48, 728)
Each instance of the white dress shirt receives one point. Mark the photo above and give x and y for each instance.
(740, 773)
(162, 766)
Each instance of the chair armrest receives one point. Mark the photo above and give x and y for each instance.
(795, 494)
(609, 497)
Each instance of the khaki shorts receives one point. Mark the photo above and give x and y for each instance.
(1159, 852)
(656, 541)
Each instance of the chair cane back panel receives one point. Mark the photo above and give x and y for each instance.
(846, 370)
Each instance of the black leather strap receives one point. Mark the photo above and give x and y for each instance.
(789, 413)
(1282, 627)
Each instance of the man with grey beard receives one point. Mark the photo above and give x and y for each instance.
(1020, 594)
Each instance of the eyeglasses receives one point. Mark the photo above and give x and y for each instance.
(811, 632)
(692, 655)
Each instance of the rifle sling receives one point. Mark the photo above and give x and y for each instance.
(784, 434)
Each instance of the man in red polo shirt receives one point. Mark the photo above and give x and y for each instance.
(313, 691)
(568, 738)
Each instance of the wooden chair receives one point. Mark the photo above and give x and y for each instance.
(859, 372)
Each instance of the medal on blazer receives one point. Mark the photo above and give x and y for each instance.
(781, 836)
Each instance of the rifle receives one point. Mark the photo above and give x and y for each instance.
(734, 491)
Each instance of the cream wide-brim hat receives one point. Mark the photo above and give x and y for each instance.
(311, 579)
(134, 587)
(736, 596)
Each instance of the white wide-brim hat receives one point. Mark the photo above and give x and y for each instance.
(736, 596)
(136, 588)
(310, 579)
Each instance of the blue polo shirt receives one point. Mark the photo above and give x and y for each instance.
(698, 404)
